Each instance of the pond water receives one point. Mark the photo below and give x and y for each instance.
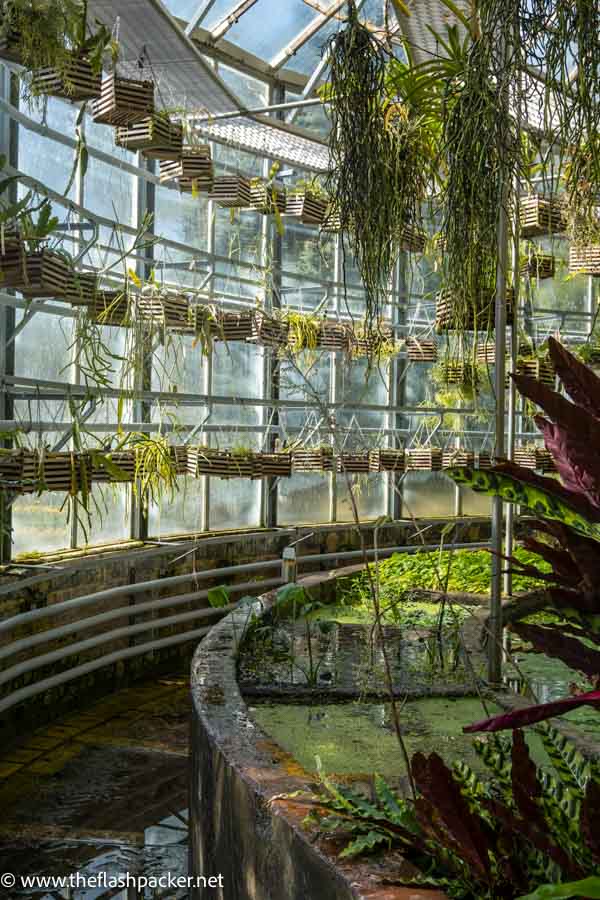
(340, 657)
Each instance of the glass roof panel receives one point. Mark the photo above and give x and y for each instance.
(270, 25)
(183, 9)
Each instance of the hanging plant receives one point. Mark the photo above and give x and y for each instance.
(378, 176)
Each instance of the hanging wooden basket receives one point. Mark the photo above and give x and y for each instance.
(232, 192)
(540, 369)
(306, 206)
(156, 137)
(539, 266)
(421, 349)
(82, 288)
(457, 456)
(10, 45)
(11, 470)
(541, 216)
(75, 81)
(232, 326)
(584, 259)
(450, 315)
(457, 371)
(266, 198)
(44, 273)
(317, 460)
(193, 171)
(353, 463)
(274, 465)
(534, 458)
(369, 343)
(385, 460)
(412, 239)
(331, 223)
(49, 471)
(333, 336)
(123, 101)
(484, 460)
(166, 308)
(268, 331)
(124, 460)
(426, 459)
(111, 308)
(220, 463)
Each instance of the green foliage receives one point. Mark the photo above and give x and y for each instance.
(476, 840)
(466, 571)
(585, 887)
(219, 597)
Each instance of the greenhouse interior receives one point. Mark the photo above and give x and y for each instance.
(300, 449)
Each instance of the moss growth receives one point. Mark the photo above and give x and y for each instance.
(355, 738)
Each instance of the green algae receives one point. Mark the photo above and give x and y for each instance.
(358, 738)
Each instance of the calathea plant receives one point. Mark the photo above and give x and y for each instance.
(475, 839)
(568, 521)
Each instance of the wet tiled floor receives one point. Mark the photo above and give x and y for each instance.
(101, 791)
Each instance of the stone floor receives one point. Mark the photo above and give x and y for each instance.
(103, 790)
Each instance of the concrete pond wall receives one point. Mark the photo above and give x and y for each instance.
(240, 825)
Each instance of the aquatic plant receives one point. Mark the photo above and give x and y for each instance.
(475, 839)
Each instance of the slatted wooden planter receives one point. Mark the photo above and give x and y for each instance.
(456, 456)
(268, 331)
(11, 469)
(48, 471)
(179, 456)
(539, 266)
(220, 463)
(540, 369)
(167, 308)
(332, 223)
(584, 259)
(424, 459)
(123, 459)
(232, 192)
(266, 198)
(156, 137)
(540, 216)
(111, 308)
(484, 460)
(317, 460)
(486, 353)
(306, 206)
(41, 274)
(369, 343)
(192, 172)
(412, 239)
(421, 349)
(123, 101)
(534, 458)
(449, 315)
(274, 465)
(458, 372)
(353, 463)
(386, 460)
(82, 288)
(75, 81)
(232, 326)
(10, 45)
(333, 336)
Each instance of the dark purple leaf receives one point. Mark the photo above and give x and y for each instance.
(579, 381)
(571, 651)
(518, 718)
(577, 460)
(576, 420)
(435, 782)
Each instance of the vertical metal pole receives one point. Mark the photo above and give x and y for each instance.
(400, 369)
(9, 148)
(271, 377)
(142, 411)
(334, 372)
(495, 618)
(512, 394)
